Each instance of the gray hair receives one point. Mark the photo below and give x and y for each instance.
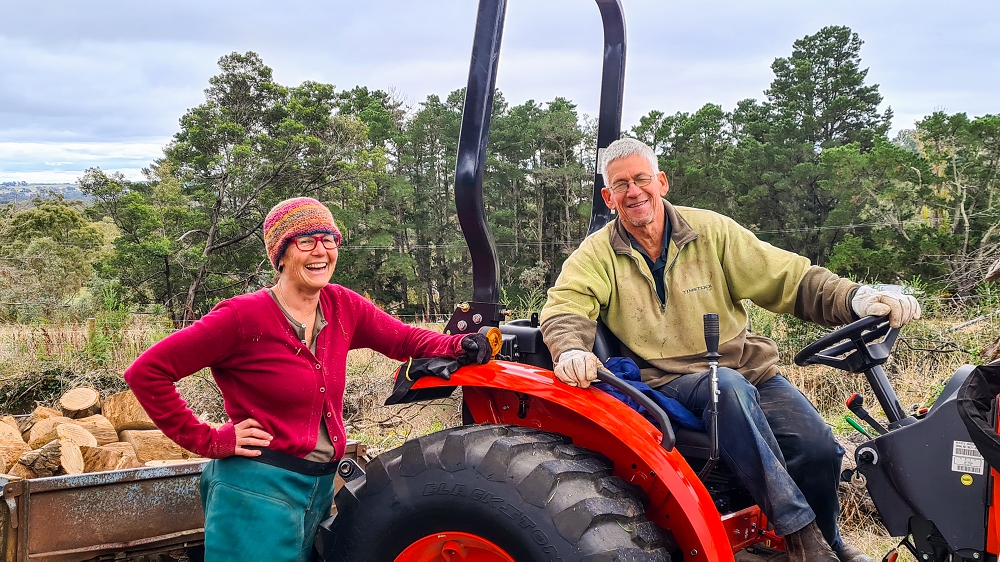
(623, 148)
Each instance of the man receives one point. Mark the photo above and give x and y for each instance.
(651, 274)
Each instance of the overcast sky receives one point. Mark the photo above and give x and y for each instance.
(103, 83)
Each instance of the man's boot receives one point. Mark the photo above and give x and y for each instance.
(848, 553)
(808, 545)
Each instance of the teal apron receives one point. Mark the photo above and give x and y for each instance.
(255, 511)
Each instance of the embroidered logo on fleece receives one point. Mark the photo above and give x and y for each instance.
(701, 288)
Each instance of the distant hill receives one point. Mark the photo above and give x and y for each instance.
(13, 191)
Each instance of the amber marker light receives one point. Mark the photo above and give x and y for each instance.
(496, 339)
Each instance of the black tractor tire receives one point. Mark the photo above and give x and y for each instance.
(530, 492)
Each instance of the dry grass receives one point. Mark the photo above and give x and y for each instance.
(369, 383)
(38, 363)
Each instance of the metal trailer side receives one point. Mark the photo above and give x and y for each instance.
(83, 516)
(138, 511)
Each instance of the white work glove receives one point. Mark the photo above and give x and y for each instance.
(901, 308)
(577, 367)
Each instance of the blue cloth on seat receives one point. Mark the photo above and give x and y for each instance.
(626, 369)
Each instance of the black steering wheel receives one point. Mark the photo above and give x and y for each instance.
(863, 352)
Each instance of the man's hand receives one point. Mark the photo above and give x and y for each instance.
(577, 368)
(901, 308)
(250, 432)
(477, 350)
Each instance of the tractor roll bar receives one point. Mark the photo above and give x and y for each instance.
(471, 160)
(484, 308)
(609, 118)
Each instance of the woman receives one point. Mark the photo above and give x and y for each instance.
(279, 357)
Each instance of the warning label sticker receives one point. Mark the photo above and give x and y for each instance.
(965, 457)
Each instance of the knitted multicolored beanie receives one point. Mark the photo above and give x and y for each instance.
(299, 216)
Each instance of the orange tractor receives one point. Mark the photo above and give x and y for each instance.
(542, 471)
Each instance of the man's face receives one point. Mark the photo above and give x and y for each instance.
(637, 205)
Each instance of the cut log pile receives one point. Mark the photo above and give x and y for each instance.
(85, 435)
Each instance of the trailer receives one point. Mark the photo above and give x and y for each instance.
(153, 513)
(150, 514)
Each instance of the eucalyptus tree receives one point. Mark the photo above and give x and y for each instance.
(252, 143)
(151, 218)
(963, 206)
(47, 255)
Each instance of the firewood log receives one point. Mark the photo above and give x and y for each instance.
(9, 420)
(45, 431)
(152, 444)
(12, 445)
(72, 460)
(60, 456)
(99, 459)
(124, 412)
(100, 428)
(124, 448)
(39, 414)
(10, 451)
(113, 456)
(76, 434)
(80, 402)
(128, 461)
(8, 433)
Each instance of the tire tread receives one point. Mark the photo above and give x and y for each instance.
(572, 487)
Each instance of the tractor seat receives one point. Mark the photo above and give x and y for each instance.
(692, 444)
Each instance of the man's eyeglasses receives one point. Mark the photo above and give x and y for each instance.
(307, 243)
(621, 186)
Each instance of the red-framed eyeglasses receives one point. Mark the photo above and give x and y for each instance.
(307, 243)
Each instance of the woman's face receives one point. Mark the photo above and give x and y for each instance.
(310, 270)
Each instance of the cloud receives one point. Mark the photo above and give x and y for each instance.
(66, 161)
(118, 72)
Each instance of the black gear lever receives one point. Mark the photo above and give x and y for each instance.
(712, 346)
(856, 404)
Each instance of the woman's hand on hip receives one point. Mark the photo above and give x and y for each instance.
(249, 432)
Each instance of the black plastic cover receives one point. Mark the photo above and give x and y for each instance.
(975, 406)
(911, 471)
(531, 348)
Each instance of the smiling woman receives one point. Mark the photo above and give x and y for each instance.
(282, 373)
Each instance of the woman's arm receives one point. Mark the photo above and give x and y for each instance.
(185, 352)
(387, 335)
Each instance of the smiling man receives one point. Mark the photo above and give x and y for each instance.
(651, 274)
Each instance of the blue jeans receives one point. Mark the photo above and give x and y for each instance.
(775, 441)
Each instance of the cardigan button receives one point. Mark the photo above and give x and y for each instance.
(318, 365)
(335, 438)
(322, 389)
(329, 415)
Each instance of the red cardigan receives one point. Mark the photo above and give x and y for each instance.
(266, 373)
